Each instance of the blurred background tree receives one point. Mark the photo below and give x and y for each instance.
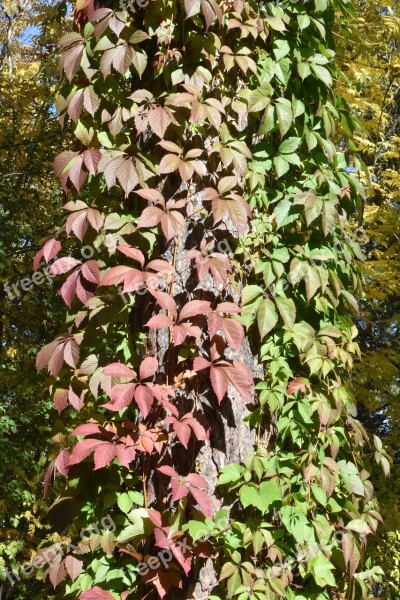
(30, 206)
(371, 63)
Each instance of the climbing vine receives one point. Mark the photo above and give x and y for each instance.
(209, 273)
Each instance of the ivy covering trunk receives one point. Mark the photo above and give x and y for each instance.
(209, 271)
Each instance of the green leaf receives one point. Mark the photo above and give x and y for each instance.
(321, 569)
(140, 524)
(230, 473)
(227, 570)
(281, 166)
(289, 145)
(285, 115)
(304, 70)
(276, 23)
(259, 99)
(319, 494)
(296, 523)
(125, 503)
(351, 478)
(251, 293)
(261, 497)
(322, 73)
(287, 310)
(281, 211)
(267, 317)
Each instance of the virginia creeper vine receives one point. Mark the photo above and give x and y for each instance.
(217, 272)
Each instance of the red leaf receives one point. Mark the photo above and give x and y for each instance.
(121, 395)
(205, 502)
(103, 455)
(88, 429)
(294, 385)
(57, 360)
(144, 399)
(125, 455)
(82, 449)
(62, 461)
(68, 290)
(183, 432)
(219, 381)
(240, 378)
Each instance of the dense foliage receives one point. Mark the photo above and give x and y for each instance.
(203, 126)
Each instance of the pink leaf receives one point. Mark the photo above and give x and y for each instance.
(150, 217)
(165, 301)
(63, 265)
(166, 470)
(71, 352)
(50, 249)
(115, 275)
(197, 480)
(148, 367)
(151, 195)
(121, 395)
(201, 363)
(96, 593)
(91, 272)
(118, 370)
(74, 567)
(132, 252)
(144, 399)
(194, 308)
(159, 322)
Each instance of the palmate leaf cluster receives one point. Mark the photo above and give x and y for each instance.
(197, 122)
